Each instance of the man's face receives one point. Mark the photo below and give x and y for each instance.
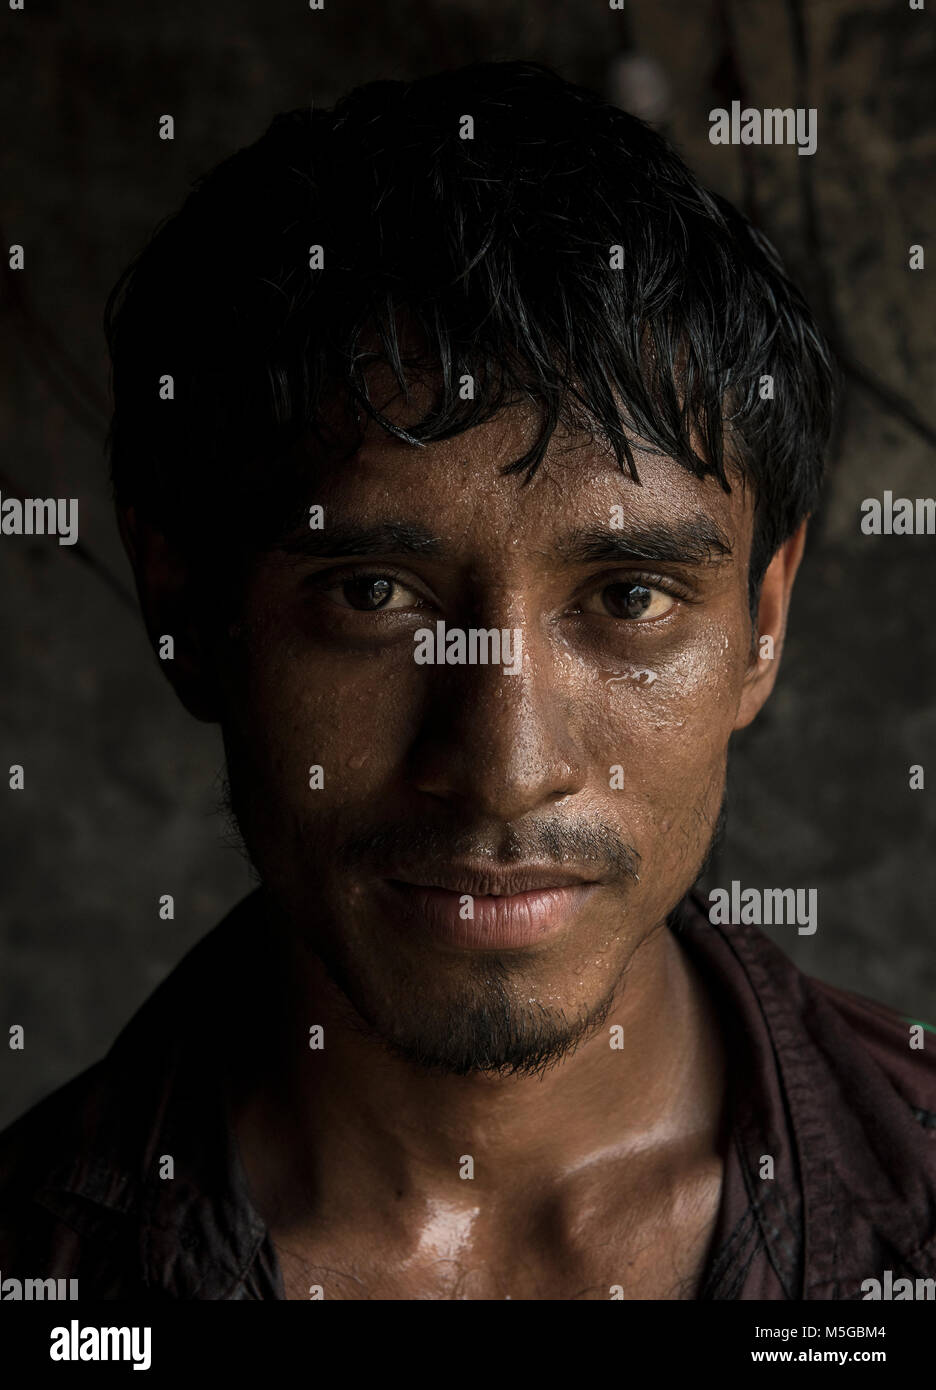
(603, 756)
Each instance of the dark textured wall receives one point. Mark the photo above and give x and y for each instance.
(121, 785)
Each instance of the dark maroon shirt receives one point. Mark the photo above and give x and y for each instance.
(821, 1081)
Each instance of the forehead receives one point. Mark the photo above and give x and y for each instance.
(455, 489)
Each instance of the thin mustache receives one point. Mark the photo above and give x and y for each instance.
(582, 852)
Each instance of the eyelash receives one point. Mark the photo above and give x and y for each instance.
(664, 583)
(332, 579)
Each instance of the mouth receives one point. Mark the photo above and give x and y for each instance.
(484, 882)
(481, 908)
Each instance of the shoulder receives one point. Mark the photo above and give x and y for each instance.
(33, 1146)
(59, 1195)
(845, 1060)
(78, 1190)
(902, 1047)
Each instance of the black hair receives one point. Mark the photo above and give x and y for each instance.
(497, 250)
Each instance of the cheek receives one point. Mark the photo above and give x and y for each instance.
(314, 738)
(664, 726)
(694, 687)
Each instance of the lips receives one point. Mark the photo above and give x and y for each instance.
(486, 883)
(539, 905)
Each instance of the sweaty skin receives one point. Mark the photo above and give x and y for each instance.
(601, 1166)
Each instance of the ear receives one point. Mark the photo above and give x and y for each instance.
(171, 609)
(771, 627)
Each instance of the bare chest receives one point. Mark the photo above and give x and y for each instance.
(663, 1255)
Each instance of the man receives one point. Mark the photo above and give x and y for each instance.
(463, 449)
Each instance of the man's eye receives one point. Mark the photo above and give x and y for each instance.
(630, 600)
(371, 593)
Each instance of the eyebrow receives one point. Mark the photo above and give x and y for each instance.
(696, 540)
(345, 538)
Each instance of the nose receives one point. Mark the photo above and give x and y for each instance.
(497, 745)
